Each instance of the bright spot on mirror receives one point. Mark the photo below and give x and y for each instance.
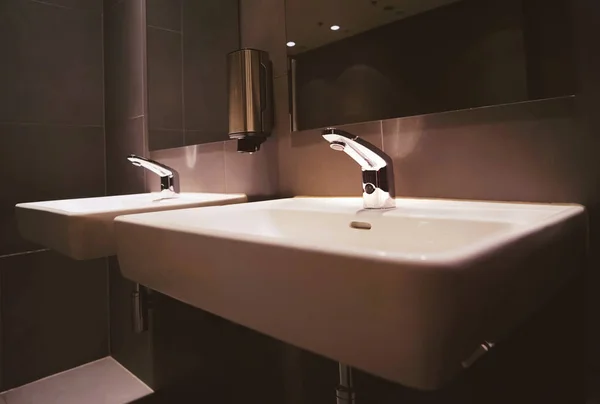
(334, 27)
(291, 44)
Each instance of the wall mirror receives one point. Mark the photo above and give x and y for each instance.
(361, 60)
(187, 42)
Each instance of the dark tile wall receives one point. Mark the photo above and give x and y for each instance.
(458, 155)
(124, 61)
(45, 56)
(126, 133)
(124, 86)
(53, 310)
(164, 14)
(587, 15)
(165, 76)
(218, 167)
(46, 162)
(210, 32)
(187, 89)
(165, 92)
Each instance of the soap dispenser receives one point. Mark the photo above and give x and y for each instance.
(250, 88)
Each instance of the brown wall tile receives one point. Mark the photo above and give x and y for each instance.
(255, 174)
(210, 32)
(587, 29)
(55, 69)
(165, 87)
(192, 137)
(122, 139)
(518, 152)
(164, 14)
(314, 169)
(159, 139)
(46, 163)
(124, 60)
(201, 168)
(266, 34)
(89, 5)
(107, 5)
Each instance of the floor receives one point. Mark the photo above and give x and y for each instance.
(104, 381)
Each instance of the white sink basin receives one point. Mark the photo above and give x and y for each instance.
(409, 299)
(84, 229)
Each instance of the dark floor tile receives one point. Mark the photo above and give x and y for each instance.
(165, 87)
(122, 139)
(54, 73)
(164, 14)
(55, 314)
(46, 163)
(124, 54)
(164, 139)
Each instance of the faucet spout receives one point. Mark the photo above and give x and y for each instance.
(377, 167)
(169, 178)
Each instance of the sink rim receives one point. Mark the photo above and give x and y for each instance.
(454, 258)
(187, 198)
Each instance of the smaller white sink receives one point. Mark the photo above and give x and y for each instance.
(83, 228)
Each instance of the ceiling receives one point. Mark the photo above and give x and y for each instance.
(308, 21)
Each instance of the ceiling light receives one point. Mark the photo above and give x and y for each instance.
(291, 44)
(334, 27)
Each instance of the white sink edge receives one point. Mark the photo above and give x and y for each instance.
(446, 260)
(188, 199)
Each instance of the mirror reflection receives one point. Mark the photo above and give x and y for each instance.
(362, 60)
(186, 52)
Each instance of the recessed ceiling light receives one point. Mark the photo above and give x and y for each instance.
(291, 44)
(334, 27)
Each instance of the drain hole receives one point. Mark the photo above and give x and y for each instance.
(361, 225)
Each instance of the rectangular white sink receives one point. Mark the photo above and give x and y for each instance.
(409, 299)
(83, 228)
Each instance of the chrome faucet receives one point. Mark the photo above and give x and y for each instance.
(169, 178)
(377, 167)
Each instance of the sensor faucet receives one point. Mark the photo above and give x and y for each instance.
(169, 178)
(377, 167)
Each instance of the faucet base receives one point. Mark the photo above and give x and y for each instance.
(378, 199)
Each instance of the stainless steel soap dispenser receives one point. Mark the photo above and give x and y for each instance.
(250, 80)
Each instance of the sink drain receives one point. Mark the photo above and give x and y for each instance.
(361, 225)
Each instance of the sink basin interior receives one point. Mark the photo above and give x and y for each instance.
(421, 229)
